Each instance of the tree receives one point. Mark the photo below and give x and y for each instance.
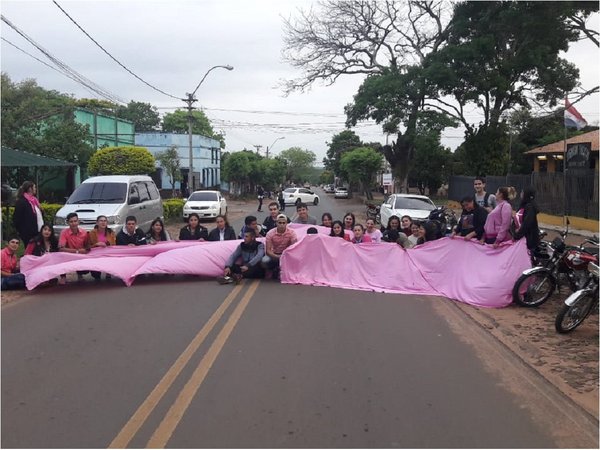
(432, 162)
(177, 122)
(271, 173)
(500, 56)
(144, 116)
(326, 177)
(342, 142)
(387, 39)
(127, 160)
(169, 161)
(361, 165)
(241, 169)
(95, 104)
(298, 163)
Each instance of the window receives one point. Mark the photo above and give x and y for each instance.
(413, 203)
(203, 197)
(99, 193)
(154, 194)
(143, 190)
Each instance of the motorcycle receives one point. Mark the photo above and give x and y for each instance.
(373, 212)
(445, 220)
(558, 263)
(579, 304)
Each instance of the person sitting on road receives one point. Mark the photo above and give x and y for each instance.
(497, 224)
(131, 235)
(11, 277)
(428, 231)
(302, 215)
(270, 221)
(390, 233)
(359, 235)
(278, 239)
(405, 223)
(44, 242)
(193, 231)
(251, 223)
(403, 241)
(326, 220)
(312, 230)
(372, 232)
(245, 261)
(414, 228)
(472, 220)
(73, 240)
(349, 221)
(337, 230)
(157, 232)
(223, 231)
(100, 237)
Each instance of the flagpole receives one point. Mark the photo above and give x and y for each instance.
(565, 166)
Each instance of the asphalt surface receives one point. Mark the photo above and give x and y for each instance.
(182, 362)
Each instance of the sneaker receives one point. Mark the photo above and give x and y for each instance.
(224, 280)
(237, 278)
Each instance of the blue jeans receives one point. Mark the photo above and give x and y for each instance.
(16, 281)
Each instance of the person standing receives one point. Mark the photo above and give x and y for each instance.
(281, 200)
(27, 218)
(488, 201)
(9, 261)
(278, 239)
(526, 220)
(497, 224)
(261, 194)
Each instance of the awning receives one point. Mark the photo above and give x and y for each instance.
(18, 158)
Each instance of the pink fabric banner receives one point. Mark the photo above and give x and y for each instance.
(464, 271)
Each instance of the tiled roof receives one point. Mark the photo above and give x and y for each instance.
(559, 147)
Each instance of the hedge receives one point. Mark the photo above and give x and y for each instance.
(126, 160)
(173, 208)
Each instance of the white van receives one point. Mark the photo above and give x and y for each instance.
(113, 196)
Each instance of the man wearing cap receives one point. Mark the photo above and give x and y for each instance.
(278, 239)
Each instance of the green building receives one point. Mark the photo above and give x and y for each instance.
(106, 130)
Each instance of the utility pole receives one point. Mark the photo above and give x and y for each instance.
(258, 147)
(190, 101)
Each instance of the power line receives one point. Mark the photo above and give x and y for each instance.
(68, 71)
(111, 56)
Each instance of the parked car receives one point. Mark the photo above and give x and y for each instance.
(207, 204)
(329, 189)
(341, 192)
(417, 207)
(113, 196)
(292, 196)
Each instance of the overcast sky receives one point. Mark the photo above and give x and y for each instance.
(171, 44)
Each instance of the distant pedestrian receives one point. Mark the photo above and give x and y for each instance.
(261, 194)
(281, 200)
(27, 218)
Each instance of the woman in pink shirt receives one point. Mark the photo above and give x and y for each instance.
(359, 235)
(497, 225)
(372, 232)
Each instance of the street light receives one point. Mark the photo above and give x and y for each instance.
(190, 100)
(271, 146)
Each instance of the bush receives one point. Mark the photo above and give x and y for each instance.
(173, 208)
(127, 160)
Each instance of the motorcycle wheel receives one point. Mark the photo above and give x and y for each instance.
(533, 289)
(570, 317)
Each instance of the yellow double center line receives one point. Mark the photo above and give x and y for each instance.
(166, 428)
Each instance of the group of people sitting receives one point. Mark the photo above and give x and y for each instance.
(254, 259)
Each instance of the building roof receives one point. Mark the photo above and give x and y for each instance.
(559, 146)
(18, 158)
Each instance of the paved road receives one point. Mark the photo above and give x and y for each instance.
(181, 362)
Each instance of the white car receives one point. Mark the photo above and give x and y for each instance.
(340, 192)
(207, 204)
(292, 196)
(329, 189)
(417, 207)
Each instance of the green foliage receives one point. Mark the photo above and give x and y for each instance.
(340, 143)
(173, 208)
(361, 165)
(326, 177)
(271, 173)
(486, 153)
(177, 122)
(95, 104)
(169, 161)
(49, 210)
(298, 163)
(127, 160)
(432, 162)
(144, 116)
(239, 166)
